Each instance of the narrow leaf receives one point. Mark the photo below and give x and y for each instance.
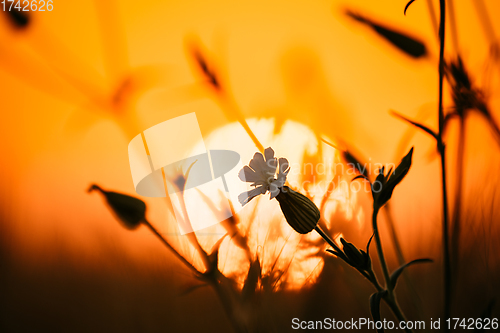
(368, 245)
(360, 176)
(401, 170)
(395, 275)
(334, 252)
(375, 307)
(351, 159)
(214, 254)
(422, 127)
(409, 45)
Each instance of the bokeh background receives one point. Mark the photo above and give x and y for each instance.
(79, 82)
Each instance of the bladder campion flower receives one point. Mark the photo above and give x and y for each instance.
(261, 172)
(299, 211)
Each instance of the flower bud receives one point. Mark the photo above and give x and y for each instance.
(129, 210)
(299, 211)
(357, 258)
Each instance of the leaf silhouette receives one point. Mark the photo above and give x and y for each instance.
(422, 127)
(409, 45)
(395, 275)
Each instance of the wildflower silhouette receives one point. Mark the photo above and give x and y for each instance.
(261, 173)
(303, 216)
(299, 211)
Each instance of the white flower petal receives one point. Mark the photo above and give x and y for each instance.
(271, 166)
(283, 171)
(269, 153)
(271, 162)
(283, 165)
(248, 175)
(245, 197)
(257, 163)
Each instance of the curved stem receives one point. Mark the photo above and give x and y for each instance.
(455, 220)
(390, 297)
(330, 242)
(390, 300)
(380, 251)
(374, 280)
(232, 107)
(369, 275)
(170, 247)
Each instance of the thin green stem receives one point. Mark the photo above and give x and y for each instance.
(453, 27)
(380, 251)
(441, 148)
(170, 247)
(330, 242)
(432, 15)
(232, 107)
(394, 235)
(390, 300)
(192, 236)
(455, 222)
(446, 242)
(370, 276)
(485, 20)
(373, 278)
(390, 297)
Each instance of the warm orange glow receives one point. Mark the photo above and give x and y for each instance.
(81, 81)
(282, 252)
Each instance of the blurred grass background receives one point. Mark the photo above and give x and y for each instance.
(79, 82)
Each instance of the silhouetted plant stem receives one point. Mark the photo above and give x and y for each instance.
(371, 277)
(441, 148)
(401, 258)
(394, 235)
(390, 300)
(167, 244)
(329, 241)
(455, 219)
(380, 251)
(215, 279)
(432, 14)
(485, 20)
(453, 27)
(192, 236)
(230, 104)
(446, 245)
(389, 297)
